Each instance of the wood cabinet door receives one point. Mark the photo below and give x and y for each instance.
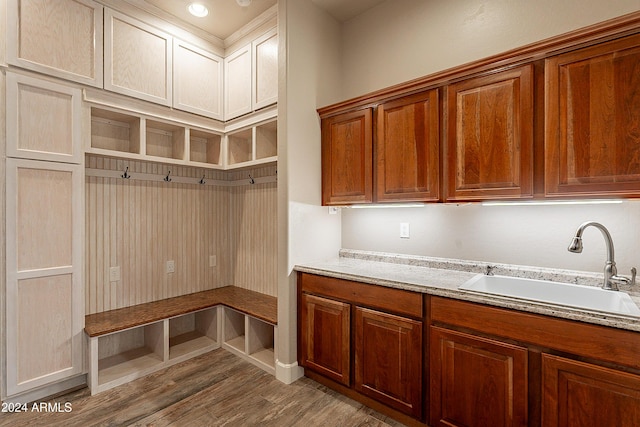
(489, 146)
(45, 260)
(578, 394)
(237, 83)
(347, 158)
(592, 142)
(62, 38)
(138, 59)
(476, 381)
(265, 70)
(44, 120)
(388, 360)
(408, 149)
(197, 80)
(325, 337)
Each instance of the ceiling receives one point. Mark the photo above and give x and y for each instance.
(225, 16)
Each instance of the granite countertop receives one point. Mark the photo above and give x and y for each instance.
(441, 277)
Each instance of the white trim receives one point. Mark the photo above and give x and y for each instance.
(288, 373)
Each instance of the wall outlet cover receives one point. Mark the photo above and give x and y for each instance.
(171, 266)
(114, 274)
(404, 230)
(212, 261)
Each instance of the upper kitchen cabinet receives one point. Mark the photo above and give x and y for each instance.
(592, 140)
(347, 158)
(44, 120)
(138, 59)
(197, 80)
(62, 38)
(407, 149)
(265, 70)
(489, 147)
(251, 76)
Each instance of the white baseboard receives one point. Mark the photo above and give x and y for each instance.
(47, 391)
(288, 372)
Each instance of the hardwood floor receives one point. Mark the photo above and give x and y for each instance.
(214, 389)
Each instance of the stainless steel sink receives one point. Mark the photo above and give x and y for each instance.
(587, 297)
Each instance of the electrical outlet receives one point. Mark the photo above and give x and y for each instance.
(114, 274)
(404, 230)
(212, 261)
(171, 266)
(333, 210)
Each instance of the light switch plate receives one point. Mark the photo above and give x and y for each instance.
(212, 261)
(114, 274)
(404, 230)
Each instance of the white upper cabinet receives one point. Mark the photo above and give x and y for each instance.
(138, 59)
(197, 80)
(44, 120)
(62, 38)
(265, 70)
(237, 72)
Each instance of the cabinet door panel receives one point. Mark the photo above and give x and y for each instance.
(62, 38)
(592, 141)
(347, 158)
(490, 136)
(265, 70)
(197, 83)
(237, 83)
(138, 59)
(577, 394)
(388, 360)
(407, 149)
(325, 336)
(45, 304)
(476, 381)
(44, 120)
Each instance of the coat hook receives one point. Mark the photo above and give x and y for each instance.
(202, 181)
(126, 175)
(251, 180)
(166, 178)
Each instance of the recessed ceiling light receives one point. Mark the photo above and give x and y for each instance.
(198, 9)
(243, 3)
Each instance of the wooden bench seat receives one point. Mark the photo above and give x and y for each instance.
(255, 304)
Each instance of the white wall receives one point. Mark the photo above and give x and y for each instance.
(399, 40)
(404, 39)
(310, 70)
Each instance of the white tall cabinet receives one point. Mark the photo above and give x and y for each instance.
(44, 225)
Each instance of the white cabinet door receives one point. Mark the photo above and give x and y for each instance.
(237, 77)
(44, 120)
(44, 254)
(265, 70)
(138, 59)
(197, 80)
(62, 38)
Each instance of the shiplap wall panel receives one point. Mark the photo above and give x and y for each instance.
(139, 225)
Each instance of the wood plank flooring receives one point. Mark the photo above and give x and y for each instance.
(215, 389)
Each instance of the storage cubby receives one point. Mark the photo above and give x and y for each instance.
(165, 140)
(260, 342)
(115, 131)
(205, 147)
(234, 330)
(193, 333)
(130, 352)
(240, 147)
(267, 140)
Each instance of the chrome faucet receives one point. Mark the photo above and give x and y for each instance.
(611, 278)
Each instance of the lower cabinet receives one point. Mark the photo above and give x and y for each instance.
(586, 395)
(350, 334)
(388, 359)
(476, 381)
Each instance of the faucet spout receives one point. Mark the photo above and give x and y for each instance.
(610, 270)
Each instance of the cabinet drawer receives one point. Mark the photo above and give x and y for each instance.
(392, 300)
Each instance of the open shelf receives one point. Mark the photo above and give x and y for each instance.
(130, 352)
(165, 140)
(267, 140)
(115, 131)
(192, 333)
(240, 147)
(261, 342)
(234, 329)
(205, 147)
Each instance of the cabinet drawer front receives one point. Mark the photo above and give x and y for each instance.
(476, 381)
(325, 337)
(388, 360)
(393, 300)
(568, 385)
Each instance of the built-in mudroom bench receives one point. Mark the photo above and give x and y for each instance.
(128, 343)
